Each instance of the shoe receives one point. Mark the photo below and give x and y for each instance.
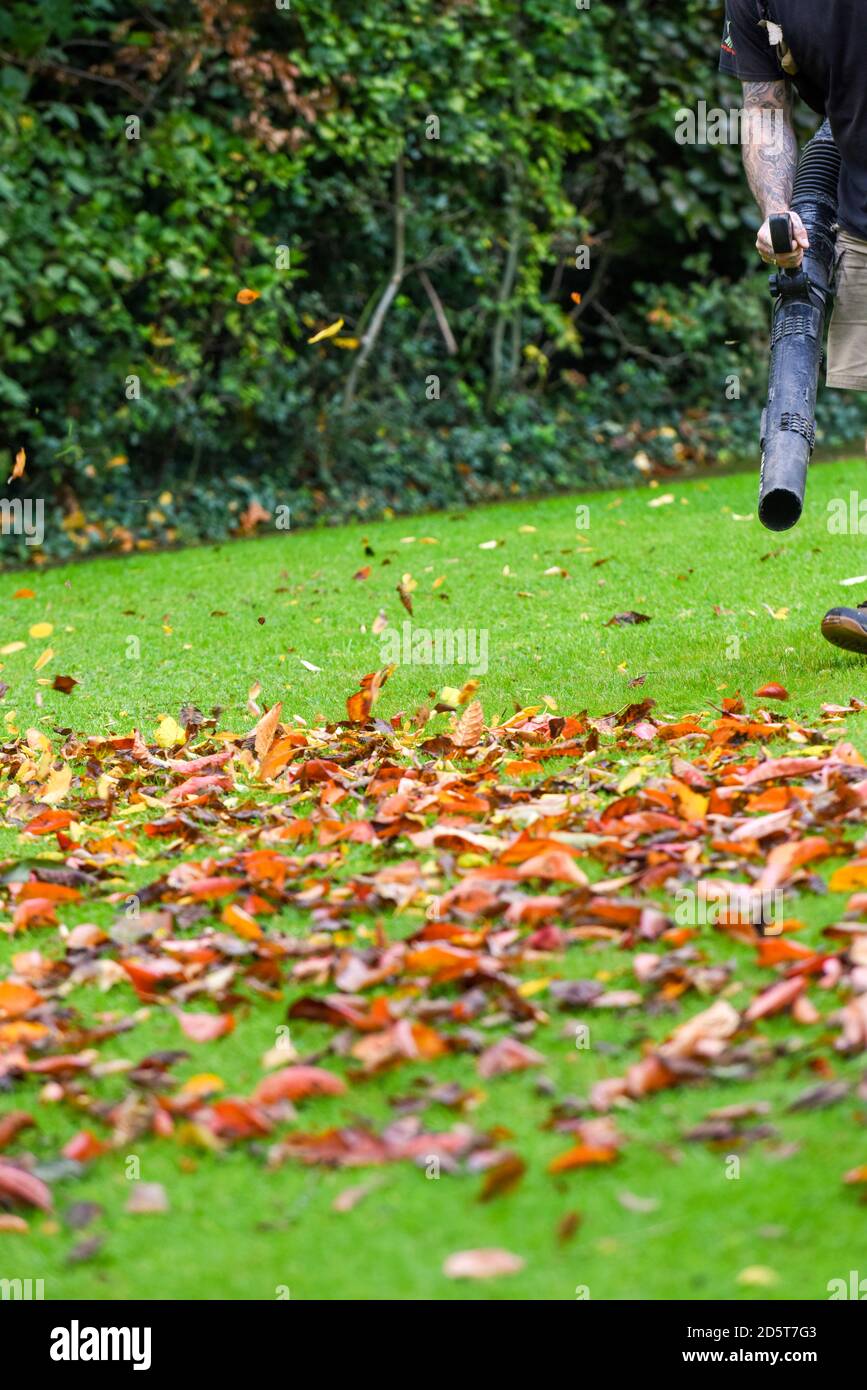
(847, 628)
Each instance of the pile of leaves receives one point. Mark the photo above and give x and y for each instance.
(423, 886)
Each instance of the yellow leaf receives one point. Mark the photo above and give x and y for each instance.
(169, 733)
(43, 660)
(202, 1084)
(530, 987)
(57, 786)
(850, 876)
(329, 332)
(18, 466)
(41, 629)
(759, 1276)
(632, 778)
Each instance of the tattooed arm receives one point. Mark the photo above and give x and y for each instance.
(770, 152)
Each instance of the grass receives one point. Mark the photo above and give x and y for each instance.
(707, 575)
(677, 562)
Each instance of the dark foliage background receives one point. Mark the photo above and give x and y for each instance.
(287, 151)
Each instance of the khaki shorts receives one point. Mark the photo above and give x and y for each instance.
(847, 336)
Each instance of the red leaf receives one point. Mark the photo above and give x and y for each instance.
(205, 1027)
(294, 1083)
(19, 1186)
(83, 1147)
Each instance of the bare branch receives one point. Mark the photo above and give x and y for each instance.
(436, 302)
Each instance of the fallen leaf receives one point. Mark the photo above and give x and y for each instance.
(482, 1264)
(147, 1198)
(626, 619)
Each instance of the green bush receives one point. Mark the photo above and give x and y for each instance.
(156, 162)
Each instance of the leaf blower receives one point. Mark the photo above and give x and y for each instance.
(801, 300)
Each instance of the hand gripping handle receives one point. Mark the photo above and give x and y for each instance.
(781, 233)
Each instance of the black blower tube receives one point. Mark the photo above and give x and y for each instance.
(801, 299)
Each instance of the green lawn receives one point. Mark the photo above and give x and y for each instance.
(675, 562)
(732, 607)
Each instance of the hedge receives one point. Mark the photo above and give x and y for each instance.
(192, 192)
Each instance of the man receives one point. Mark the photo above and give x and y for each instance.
(819, 47)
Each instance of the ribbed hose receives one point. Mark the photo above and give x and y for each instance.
(789, 419)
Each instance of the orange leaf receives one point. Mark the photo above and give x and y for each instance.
(773, 691)
(213, 887)
(33, 911)
(235, 1118)
(47, 822)
(54, 892)
(244, 923)
(582, 1156)
(83, 1147)
(850, 876)
(17, 999)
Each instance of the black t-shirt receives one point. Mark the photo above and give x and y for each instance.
(828, 41)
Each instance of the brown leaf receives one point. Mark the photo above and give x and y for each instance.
(359, 705)
(776, 999)
(626, 619)
(567, 1226)
(502, 1177)
(508, 1055)
(266, 729)
(470, 727)
(18, 1186)
(12, 1124)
